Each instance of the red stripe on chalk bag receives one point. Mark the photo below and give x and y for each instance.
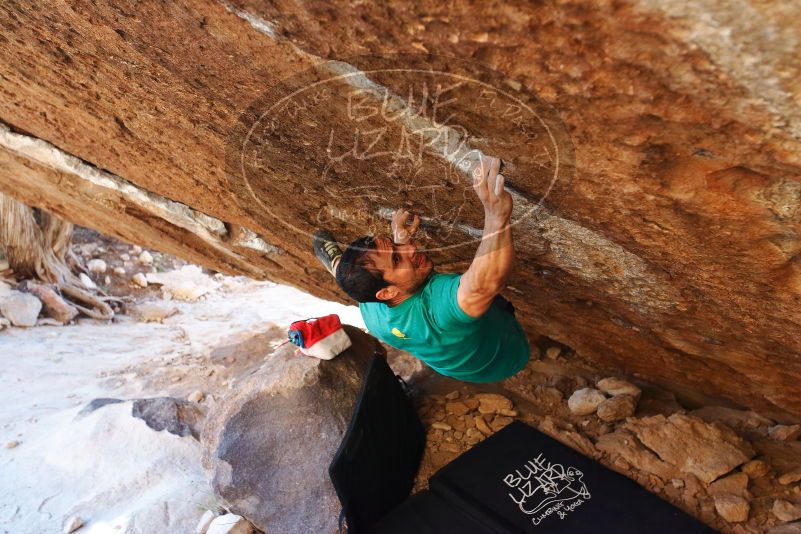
(318, 328)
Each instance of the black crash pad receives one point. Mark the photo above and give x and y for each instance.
(521, 481)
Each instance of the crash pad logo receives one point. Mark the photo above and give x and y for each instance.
(542, 489)
(345, 143)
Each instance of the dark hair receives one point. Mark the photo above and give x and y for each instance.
(354, 278)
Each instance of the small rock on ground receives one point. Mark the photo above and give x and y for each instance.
(617, 386)
(205, 521)
(86, 281)
(139, 279)
(708, 451)
(734, 484)
(732, 508)
(491, 403)
(756, 468)
(21, 309)
(585, 401)
(153, 312)
(789, 528)
(72, 524)
(786, 510)
(145, 258)
(552, 352)
(617, 408)
(96, 266)
(785, 432)
(230, 524)
(788, 478)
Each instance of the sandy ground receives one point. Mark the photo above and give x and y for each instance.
(107, 467)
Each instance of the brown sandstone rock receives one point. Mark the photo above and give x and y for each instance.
(492, 403)
(735, 484)
(786, 510)
(570, 438)
(617, 386)
(625, 445)
(790, 477)
(732, 508)
(616, 408)
(671, 252)
(789, 528)
(457, 408)
(785, 432)
(482, 426)
(744, 421)
(756, 468)
(705, 450)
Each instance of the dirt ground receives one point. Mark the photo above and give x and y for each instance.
(216, 344)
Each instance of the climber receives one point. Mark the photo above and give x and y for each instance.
(458, 324)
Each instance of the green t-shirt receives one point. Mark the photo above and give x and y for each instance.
(431, 325)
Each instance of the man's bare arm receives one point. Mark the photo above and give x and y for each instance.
(495, 256)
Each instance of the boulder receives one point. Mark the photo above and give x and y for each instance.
(267, 446)
(585, 401)
(139, 279)
(21, 309)
(707, 450)
(633, 277)
(176, 416)
(617, 408)
(732, 508)
(617, 386)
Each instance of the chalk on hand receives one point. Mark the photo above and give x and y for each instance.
(499, 185)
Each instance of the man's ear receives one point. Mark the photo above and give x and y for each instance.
(387, 293)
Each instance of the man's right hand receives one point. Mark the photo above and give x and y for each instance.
(489, 186)
(495, 256)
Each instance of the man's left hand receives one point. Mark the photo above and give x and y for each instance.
(402, 234)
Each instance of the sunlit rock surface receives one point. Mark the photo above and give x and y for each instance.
(652, 148)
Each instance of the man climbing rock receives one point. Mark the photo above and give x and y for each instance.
(458, 324)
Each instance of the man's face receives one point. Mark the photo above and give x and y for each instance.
(401, 265)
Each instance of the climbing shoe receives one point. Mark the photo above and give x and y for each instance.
(327, 251)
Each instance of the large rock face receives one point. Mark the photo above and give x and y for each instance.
(653, 149)
(267, 446)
